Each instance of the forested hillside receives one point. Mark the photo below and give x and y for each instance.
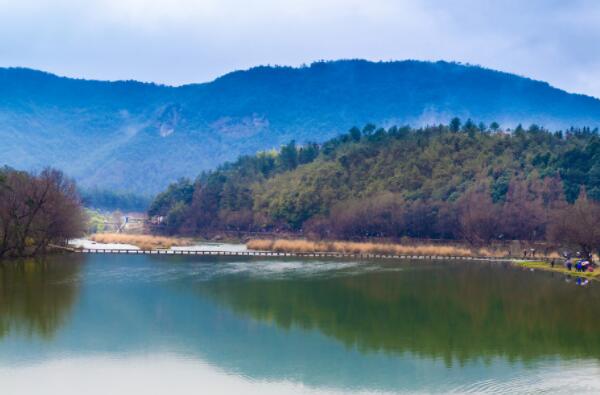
(456, 181)
(136, 137)
(106, 200)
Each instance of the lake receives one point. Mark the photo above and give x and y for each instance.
(126, 324)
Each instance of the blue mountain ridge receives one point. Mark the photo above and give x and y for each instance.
(138, 137)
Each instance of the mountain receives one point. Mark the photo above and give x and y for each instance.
(137, 137)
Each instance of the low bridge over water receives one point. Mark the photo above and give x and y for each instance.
(277, 254)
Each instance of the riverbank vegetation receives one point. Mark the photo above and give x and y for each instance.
(36, 211)
(347, 247)
(470, 182)
(144, 242)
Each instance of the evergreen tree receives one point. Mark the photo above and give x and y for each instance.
(455, 124)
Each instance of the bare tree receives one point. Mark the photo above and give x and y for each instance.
(522, 216)
(577, 225)
(37, 210)
(477, 215)
(379, 216)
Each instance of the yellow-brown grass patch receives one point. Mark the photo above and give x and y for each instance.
(281, 245)
(545, 266)
(144, 242)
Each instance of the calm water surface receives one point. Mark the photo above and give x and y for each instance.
(174, 324)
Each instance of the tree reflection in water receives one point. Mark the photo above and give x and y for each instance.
(37, 295)
(456, 311)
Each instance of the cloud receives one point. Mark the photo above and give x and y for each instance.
(181, 41)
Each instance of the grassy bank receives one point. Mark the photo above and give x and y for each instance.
(282, 245)
(558, 268)
(144, 242)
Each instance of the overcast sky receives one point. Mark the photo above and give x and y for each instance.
(182, 41)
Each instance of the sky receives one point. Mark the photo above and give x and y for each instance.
(183, 41)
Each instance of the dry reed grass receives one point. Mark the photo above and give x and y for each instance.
(144, 242)
(281, 245)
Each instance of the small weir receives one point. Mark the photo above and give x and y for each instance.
(277, 254)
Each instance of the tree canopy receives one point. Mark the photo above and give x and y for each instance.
(37, 210)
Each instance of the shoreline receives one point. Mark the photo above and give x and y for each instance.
(558, 268)
(304, 248)
(215, 248)
(389, 248)
(146, 242)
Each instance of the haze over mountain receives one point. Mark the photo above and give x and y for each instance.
(133, 136)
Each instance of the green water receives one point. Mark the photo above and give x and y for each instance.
(174, 324)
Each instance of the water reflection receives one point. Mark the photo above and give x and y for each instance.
(454, 311)
(168, 374)
(36, 296)
(326, 325)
